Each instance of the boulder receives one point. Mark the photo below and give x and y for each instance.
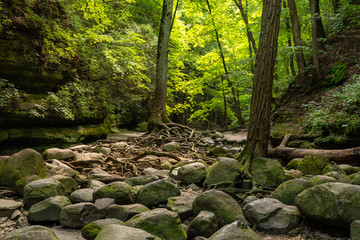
(348, 169)
(160, 222)
(171, 147)
(356, 180)
(320, 179)
(355, 230)
(313, 165)
(7, 207)
(293, 164)
(267, 172)
(20, 165)
(48, 210)
(125, 212)
(332, 167)
(58, 168)
(79, 214)
(192, 173)
(182, 205)
(68, 183)
(59, 154)
(339, 176)
(95, 184)
(225, 170)
(42, 189)
(155, 172)
(287, 191)
(91, 230)
(332, 203)
(82, 195)
(292, 174)
(141, 180)
(122, 192)
(204, 224)
(235, 231)
(119, 232)
(157, 192)
(225, 208)
(272, 215)
(30, 233)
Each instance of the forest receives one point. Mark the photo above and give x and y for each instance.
(249, 105)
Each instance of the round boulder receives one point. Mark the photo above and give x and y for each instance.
(267, 172)
(48, 210)
(78, 215)
(287, 191)
(192, 173)
(30, 233)
(224, 170)
(122, 192)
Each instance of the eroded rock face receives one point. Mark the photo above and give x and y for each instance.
(18, 166)
(225, 208)
(267, 172)
(272, 215)
(332, 203)
(160, 222)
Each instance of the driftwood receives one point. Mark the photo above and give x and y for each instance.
(349, 155)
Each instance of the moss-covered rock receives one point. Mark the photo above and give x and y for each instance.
(320, 179)
(160, 222)
(287, 191)
(225, 208)
(48, 210)
(339, 176)
(91, 230)
(182, 205)
(192, 173)
(157, 192)
(117, 231)
(313, 164)
(348, 169)
(267, 172)
(42, 189)
(141, 180)
(125, 212)
(31, 233)
(332, 203)
(204, 224)
(68, 183)
(82, 195)
(78, 215)
(122, 192)
(224, 170)
(294, 164)
(235, 231)
(20, 165)
(332, 167)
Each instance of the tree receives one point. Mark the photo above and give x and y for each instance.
(260, 110)
(158, 113)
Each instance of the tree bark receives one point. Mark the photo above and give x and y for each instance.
(158, 114)
(260, 110)
(288, 29)
(296, 32)
(315, 36)
(350, 155)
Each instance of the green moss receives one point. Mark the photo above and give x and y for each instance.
(90, 231)
(313, 164)
(294, 164)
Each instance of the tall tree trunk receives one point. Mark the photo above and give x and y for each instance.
(314, 36)
(158, 114)
(296, 32)
(315, 13)
(288, 30)
(249, 33)
(260, 111)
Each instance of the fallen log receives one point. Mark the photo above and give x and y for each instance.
(349, 155)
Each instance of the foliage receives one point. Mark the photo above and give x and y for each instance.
(9, 96)
(336, 74)
(338, 111)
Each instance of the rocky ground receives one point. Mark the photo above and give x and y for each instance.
(178, 184)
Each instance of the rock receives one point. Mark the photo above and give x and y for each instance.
(30, 233)
(182, 205)
(20, 184)
(20, 165)
(42, 189)
(95, 184)
(141, 180)
(287, 191)
(340, 177)
(225, 170)
(332, 167)
(355, 230)
(171, 147)
(348, 169)
(155, 172)
(166, 165)
(160, 222)
(68, 183)
(59, 154)
(272, 215)
(235, 231)
(267, 172)
(225, 208)
(88, 156)
(292, 174)
(320, 179)
(332, 203)
(122, 192)
(356, 180)
(7, 207)
(249, 199)
(104, 203)
(79, 214)
(157, 192)
(20, 218)
(217, 152)
(82, 195)
(119, 232)
(58, 168)
(204, 224)
(48, 210)
(217, 135)
(91, 230)
(192, 173)
(294, 164)
(119, 145)
(103, 150)
(174, 173)
(313, 164)
(125, 212)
